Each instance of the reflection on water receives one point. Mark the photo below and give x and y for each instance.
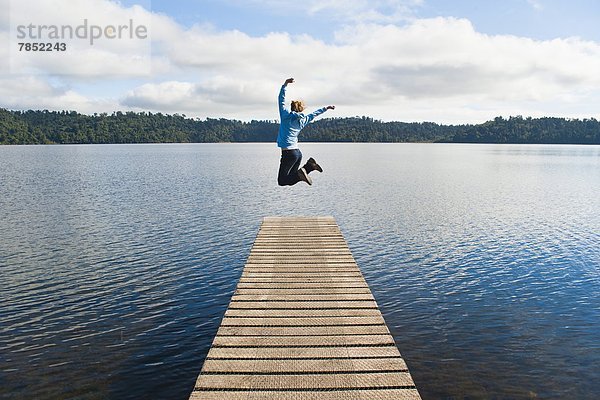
(118, 262)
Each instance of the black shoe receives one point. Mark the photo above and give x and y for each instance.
(311, 165)
(303, 175)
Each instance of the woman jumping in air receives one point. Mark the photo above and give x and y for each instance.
(292, 123)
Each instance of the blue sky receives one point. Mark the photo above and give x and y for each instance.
(542, 19)
(412, 60)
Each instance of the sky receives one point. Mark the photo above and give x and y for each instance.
(443, 61)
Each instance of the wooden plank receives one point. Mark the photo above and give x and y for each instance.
(300, 274)
(302, 285)
(299, 248)
(310, 272)
(305, 270)
(257, 305)
(303, 381)
(311, 291)
(347, 365)
(303, 341)
(301, 330)
(299, 313)
(293, 238)
(303, 324)
(296, 243)
(279, 353)
(301, 297)
(284, 261)
(303, 280)
(314, 257)
(302, 266)
(301, 232)
(302, 254)
(307, 321)
(363, 394)
(308, 243)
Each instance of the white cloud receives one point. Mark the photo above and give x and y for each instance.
(373, 68)
(536, 4)
(220, 96)
(348, 10)
(445, 57)
(438, 69)
(36, 93)
(125, 55)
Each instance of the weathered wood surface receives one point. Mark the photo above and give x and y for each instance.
(303, 324)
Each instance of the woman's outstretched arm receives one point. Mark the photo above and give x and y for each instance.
(282, 95)
(306, 119)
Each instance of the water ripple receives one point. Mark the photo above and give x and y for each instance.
(118, 262)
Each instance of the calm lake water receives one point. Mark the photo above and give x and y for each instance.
(117, 262)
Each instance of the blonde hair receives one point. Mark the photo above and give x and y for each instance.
(298, 105)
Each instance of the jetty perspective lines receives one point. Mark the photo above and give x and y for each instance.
(303, 324)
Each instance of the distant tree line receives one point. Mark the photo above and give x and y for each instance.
(70, 127)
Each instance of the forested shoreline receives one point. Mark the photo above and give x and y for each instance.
(70, 127)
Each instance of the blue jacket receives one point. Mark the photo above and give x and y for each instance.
(292, 123)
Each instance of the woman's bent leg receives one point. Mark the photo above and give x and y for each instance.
(288, 167)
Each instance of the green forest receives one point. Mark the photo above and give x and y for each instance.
(70, 127)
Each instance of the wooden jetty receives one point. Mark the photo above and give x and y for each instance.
(303, 324)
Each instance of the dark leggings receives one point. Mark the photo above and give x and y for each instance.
(288, 168)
